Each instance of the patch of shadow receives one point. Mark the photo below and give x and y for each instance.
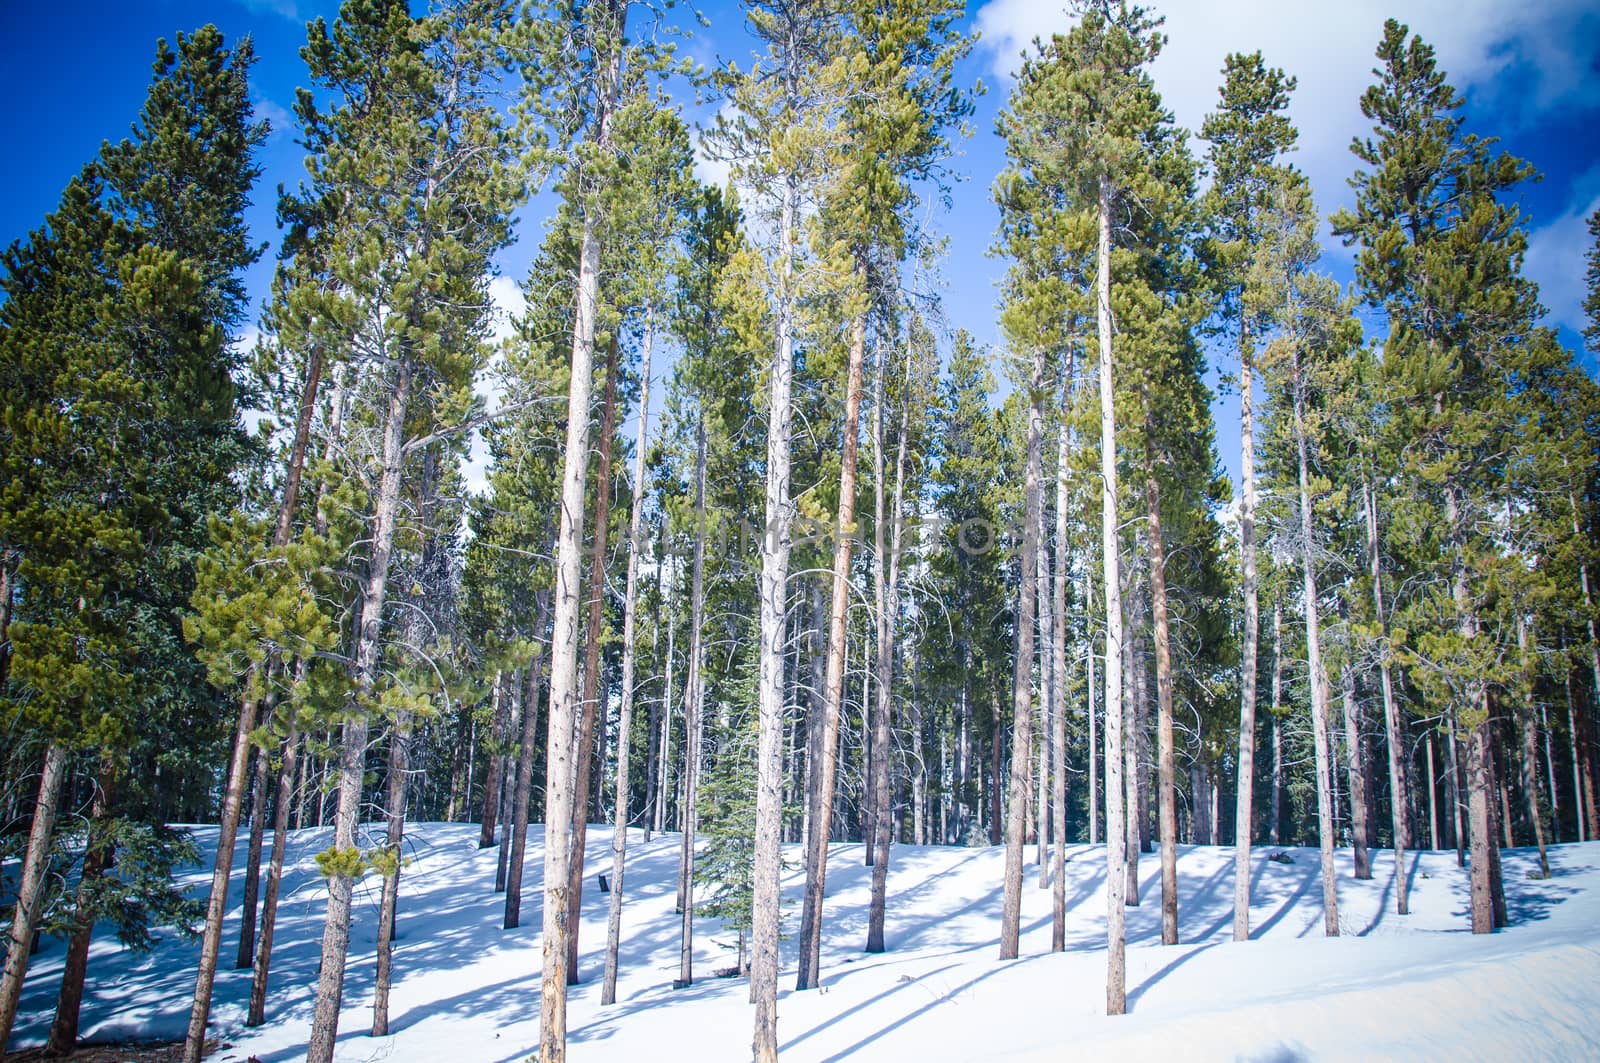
(1286, 1053)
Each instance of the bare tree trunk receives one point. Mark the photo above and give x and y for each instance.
(1574, 751)
(1166, 798)
(888, 590)
(593, 697)
(97, 857)
(996, 748)
(1094, 740)
(826, 769)
(630, 602)
(1116, 828)
(395, 813)
(693, 715)
(1243, 818)
(352, 760)
(1319, 677)
(497, 762)
(1432, 798)
(508, 777)
(252, 867)
(1058, 670)
(664, 784)
(1274, 827)
(280, 840)
(523, 788)
(769, 685)
(1022, 672)
(228, 825)
(1453, 790)
(1046, 659)
(1530, 786)
(1132, 710)
(1358, 781)
(1394, 727)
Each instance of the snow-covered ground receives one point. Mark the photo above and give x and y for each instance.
(1413, 987)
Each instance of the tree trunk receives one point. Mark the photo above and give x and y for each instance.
(1058, 669)
(497, 762)
(1574, 750)
(630, 602)
(1132, 710)
(1530, 786)
(1093, 739)
(252, 868)
(888, 592)
(1022, 671)
(280, 840)
(508, 777)
(1116, 830)
(1046, 658)
(826, 769)
(352, 759)
(1243, 817)
(389, 899)
(586, 762)
(97, 856)
(228, 825)
(693, 714)
(1166, 799)
(664, 783)
(523, 791)
(769, 685)
(1481, 828)
(1319, 677)
(1433, 801)
(1394, 727)
(1358, 779)
(1453, 790)
(1277, 724)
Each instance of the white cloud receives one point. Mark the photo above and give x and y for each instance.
(1556, 255)
(1516, 57)
(288, 9)
(282, 122)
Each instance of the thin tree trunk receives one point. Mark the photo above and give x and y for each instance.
(1132, 711)
(97, 857)
(769, 685)
(501, 708)
(1116, 830)
(1358, 781)
(252, 868)
(1046, 658)
(1058, 669)
(508, 779)
(389, 899)
(352, 760)
(1480, 767)
(1243, 818)
(1319, 677)
(523, 792)
(1166, 798)
(694, 714)
(280, 841)
(630, 602)
(228, 825)
(592, 706)
(1091, 687)
(664, 784)
(1573, 750)
(1530, 786)
(1275, 821)
(888, 616)
(1022, 671)
(1453, 790)
(825, 771)
(1433, 801)
(1394, 727)
(563, 761)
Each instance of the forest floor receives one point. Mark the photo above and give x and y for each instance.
(1397, 987)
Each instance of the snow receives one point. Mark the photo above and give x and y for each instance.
(1419, 986)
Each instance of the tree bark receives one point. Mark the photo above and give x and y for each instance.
(769, 685)
(257, 1012)
(630, 602)
(1166, 799)
(888, 589)
(1022, 671)
(1319, 677)
(497, 762)
(1243, 818)
(694, 714)
(98, 852)
(389, 899)
(826, 769)
(1358, 779)
(1275, 821)
(1058, 669)
(1116, 828)
(522, 792)
(252, 868)
(587, 763)
(1394, 727)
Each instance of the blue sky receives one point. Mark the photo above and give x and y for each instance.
(1530, 75)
